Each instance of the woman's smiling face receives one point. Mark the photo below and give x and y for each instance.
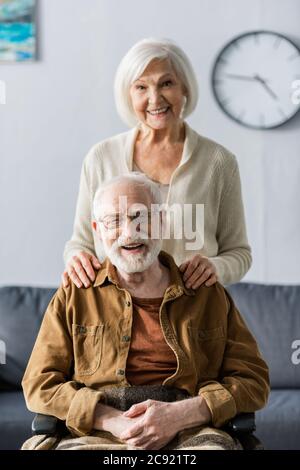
(158, 95)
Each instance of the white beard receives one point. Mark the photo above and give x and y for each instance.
(135, 263)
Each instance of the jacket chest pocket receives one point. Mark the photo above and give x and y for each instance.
(209, 350)
(87, 344)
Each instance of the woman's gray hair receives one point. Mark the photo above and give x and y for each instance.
(133, 178)
(135, 62)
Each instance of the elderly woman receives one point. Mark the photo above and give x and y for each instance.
(155, 90)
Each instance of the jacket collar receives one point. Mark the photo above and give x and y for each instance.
(177, 287)
(190, 142)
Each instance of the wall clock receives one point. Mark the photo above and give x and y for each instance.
(256, 79)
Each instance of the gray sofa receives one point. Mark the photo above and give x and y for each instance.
(271, 312)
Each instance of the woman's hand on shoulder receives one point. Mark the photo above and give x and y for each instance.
(81, 270)
(198, 270)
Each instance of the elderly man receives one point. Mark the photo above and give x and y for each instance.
(138, 360)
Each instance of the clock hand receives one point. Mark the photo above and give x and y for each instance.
(267, 88)
(256, 78)
(246, 77)
(241, 77)
(260, 79)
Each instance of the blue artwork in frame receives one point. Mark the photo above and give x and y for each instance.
(17, 30)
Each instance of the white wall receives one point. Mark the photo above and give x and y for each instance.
(61, 105)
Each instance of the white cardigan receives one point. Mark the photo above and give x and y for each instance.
(207, 174)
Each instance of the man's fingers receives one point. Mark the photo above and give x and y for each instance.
(136, 410)
(133, 431)
(143, 443)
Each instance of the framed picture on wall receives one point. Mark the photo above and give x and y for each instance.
(17, 30)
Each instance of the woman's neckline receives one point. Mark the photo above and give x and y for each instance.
(155, 181)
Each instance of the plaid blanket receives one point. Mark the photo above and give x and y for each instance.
(198, 438)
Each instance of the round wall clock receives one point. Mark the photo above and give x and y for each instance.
(256, 79)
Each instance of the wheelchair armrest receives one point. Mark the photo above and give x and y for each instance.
(44, 424)
(243, 423)
(242, 427)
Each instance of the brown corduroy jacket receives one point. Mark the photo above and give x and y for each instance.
(84, 339)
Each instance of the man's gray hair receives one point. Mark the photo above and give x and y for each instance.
(135, 62)
(133, 178)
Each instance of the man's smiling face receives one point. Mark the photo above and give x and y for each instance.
(125, 226)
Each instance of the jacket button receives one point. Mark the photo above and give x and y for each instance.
(126, 338)
(120, 371)
(128, 303)
(82, 329)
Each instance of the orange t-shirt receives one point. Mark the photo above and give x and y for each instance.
(150, 359)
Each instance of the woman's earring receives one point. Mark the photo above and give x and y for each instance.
(183, 107)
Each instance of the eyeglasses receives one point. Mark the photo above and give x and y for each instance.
(116, 221)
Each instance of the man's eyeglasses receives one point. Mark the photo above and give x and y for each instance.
(116, 221)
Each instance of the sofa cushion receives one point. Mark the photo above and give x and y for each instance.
(278, 424)
(271, 312)
(15, 420)
(273, 315)
(21, 311)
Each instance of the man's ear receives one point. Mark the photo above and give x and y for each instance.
(95, 227)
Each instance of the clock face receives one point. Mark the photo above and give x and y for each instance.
(256, 79)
